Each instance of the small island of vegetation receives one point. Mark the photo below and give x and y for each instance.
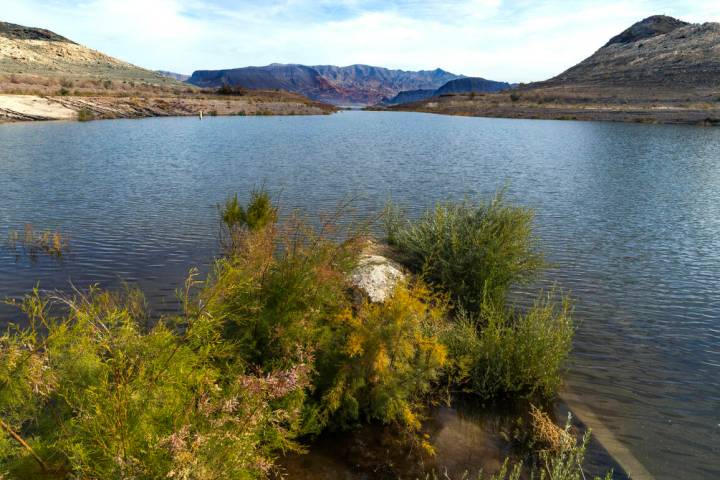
(276, 347)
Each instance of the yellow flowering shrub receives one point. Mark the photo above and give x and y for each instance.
(383, 359)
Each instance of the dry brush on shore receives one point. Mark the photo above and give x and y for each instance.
(571, 103)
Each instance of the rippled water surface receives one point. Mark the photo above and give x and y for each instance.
(629, 215)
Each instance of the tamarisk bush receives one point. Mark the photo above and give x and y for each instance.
(93, 395)
(507, 353)
(282, 294)
(473, 251)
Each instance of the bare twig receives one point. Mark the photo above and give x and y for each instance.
(24, 444)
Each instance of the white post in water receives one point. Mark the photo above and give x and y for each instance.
(200, 114)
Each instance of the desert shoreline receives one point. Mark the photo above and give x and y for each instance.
(656, 114)
(14, 108)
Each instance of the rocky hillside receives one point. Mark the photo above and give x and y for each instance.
(460, 85)
(42, 53)
(370, 84)
(470, 85)
(659, 51)
(291, 78)
(660, 70)
(352, 85)
(408, 96)
(650, 27)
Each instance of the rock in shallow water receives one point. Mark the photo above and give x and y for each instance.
(376, 276)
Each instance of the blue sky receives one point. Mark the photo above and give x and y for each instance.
(512, 40)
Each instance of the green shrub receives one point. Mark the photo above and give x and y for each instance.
(63, 92)
(564, 457)
(226, 89)
(567, 464)
(86, 115)
(276, 292)
(505, 353)
(506, 472)
(93, 395)
(474, 252)
(277, 287)
(258, 214)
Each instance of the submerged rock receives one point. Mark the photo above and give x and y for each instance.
(376, 276)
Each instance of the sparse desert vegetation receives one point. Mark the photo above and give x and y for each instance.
(621, 104)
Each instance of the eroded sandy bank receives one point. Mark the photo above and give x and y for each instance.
(34, 107)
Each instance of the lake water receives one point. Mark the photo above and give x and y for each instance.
(628, 214)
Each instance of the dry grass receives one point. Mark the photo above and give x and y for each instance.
(33, 243)
(85, 86)
(547, 434)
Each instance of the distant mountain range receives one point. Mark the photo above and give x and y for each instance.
(351, 85)
(660, 52)
(372, 84)
(659, 69)
(460, 85)
(180, 77)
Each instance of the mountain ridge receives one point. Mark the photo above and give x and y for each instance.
(459, 85)
(472, 84)
(647, 28)
(657, 51)
(356, 84)
(21, 32)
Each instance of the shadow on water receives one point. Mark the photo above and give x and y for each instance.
(466, 439)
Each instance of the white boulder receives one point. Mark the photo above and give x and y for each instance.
(376, 276)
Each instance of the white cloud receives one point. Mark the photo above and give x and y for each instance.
(514, 40)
